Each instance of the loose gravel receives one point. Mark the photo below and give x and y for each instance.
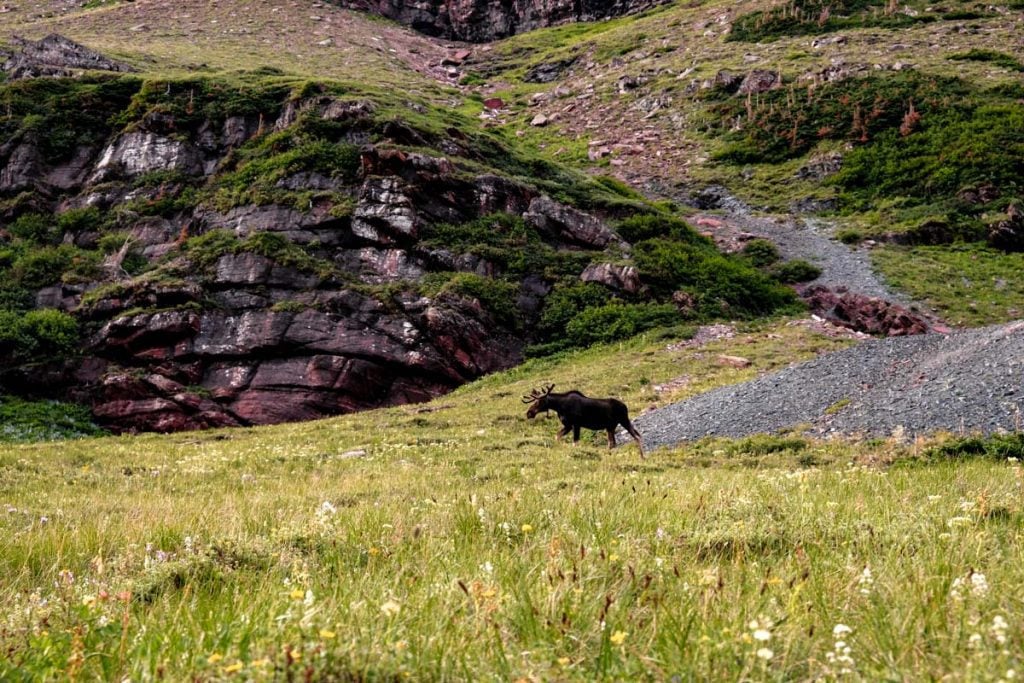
(963, 382)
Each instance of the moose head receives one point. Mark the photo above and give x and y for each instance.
(539, 399)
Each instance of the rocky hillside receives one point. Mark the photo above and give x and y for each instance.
(478, 21)
(202, 252)
(375, 216)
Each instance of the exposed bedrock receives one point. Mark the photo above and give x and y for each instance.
(480, 21)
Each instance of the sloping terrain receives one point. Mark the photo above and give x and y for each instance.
(966, 382)
(297, 209)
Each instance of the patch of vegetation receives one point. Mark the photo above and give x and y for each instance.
(205, 250)
(62, 114)
(782, 124)
(995, 447)
(795, 270)
(25, 336)
(923, 146)
(761, 253)
(31, 421)
(617, 320)
(509, 243)
(497, 297)
(719, 285)
(812, 17)
(967, 284)
(995, 57)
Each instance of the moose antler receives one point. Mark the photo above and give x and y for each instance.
(536, 394)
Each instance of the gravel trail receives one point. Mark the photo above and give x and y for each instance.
(809, 239)
(966, 381)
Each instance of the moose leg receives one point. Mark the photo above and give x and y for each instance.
(636, 435)
(575, 434)
(562, 432)
(611, 438)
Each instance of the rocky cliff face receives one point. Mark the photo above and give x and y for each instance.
(310, 291)
(479, 21)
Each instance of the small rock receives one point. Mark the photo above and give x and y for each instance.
(353, 454)
(494, 103)
(539, 120)
(734, 361)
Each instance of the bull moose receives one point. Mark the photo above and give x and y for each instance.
(577, 411)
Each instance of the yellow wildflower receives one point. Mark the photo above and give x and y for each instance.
(564, 661)
(233, 668)
(327, 635)
(527, 528)
(297, 594)
(214, 658)
(618, 638)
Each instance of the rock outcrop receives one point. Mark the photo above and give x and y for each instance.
(479, 21)
(55, 55)
(861, 313)
(297, 309)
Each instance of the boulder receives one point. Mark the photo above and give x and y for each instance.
(140, 152)
(862, 313)
(570, 225)
(760, 80)
(623, 278)
(385, 213)
(56, 56)
(546, 72)
(1008, 233)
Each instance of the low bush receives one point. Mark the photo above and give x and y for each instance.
(761, 253)
(616, 321)
(795, 271)
(43, 332)
(29, 421)
(996, 447)
(720, 285)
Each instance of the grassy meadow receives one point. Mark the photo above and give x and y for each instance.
(457, 540)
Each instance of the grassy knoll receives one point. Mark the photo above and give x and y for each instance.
(465, 544)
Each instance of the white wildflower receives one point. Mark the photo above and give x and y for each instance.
(763, 635)
(390, 608)
(487, 568)
(841, 630)
(765, 653)
(979, 585)
(866, 582)
(999, 628)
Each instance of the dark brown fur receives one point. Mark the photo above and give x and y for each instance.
(577, 411)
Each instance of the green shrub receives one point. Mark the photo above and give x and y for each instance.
(44, 332)
(80, 220)
(761, 253)
(617, 320)
(204, 250)
(497, 297)
(27, 421)
(52, 332)
(42, 267)
(998, 58)
(35, 228)
(997, 447)
(566, 301)
(794, 271)
(650, 226)
(721, 285)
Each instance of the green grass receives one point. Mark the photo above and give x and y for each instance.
(965, 284)
(465, 544)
